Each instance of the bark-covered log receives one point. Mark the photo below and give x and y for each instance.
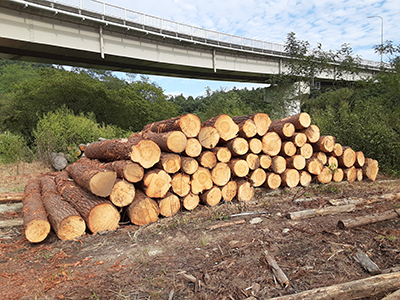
(190, 201)
(255, 145)
(239, 167)
(265, 161)
(224, 125)
(223, 154)
(156, 183)
(273, 181)
(297, 162)
(207, 159)
(245, 191)
(221, 174)
(348, 158)
(172, 141)
(212, 196)
(181, 184)
(271, 143)
(98, 213)
(189, 124)
(201, 181)
(330, 210)
(122, 193)
(143, 210)
(305, 178)
(11, 197)
(238, 146)
(127, 169)
(284, 130)
(64, 219)
(290, 178)
(261, 120)
(36, 225)
(369, 219)
(300, 121)
(229, 190)
(208, 137)
(283, 280)
(278, 164)
(169, 162)
(189, 165)
(96, 180)
(288, 149)
(258, 177)
(193, 147)
(169, 205)
(367, 263)
(370, 168)
(312, 133)
(306, 151)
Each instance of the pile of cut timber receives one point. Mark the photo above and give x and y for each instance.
(179, 163)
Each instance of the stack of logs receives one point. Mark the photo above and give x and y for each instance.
(178, 163)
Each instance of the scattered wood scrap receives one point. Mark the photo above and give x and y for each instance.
(363, 259)
(11, 197)
(283, 280)
(226, 224)
(369, 219)
(12, 223)
(310, 213)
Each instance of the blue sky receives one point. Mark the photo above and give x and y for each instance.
(329, 22)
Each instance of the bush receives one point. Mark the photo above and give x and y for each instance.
(62, 131)
(12, 148)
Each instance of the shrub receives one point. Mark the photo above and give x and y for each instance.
(12, 148)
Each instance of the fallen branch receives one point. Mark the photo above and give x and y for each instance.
(310, 213)
(12, 223)
(358, 201)
(364, 260)
(249, 213)
(11, 197)
(367, 287)
(283, 280)
(225, 224)
(12, 207)
(369, 219)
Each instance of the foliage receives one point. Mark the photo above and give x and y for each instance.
(12, 148)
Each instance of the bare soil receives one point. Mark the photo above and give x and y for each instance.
(223, 251)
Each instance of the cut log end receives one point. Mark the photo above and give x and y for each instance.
(193, 147)
(191, 201)
(37, 230)
(170, 205)
(101, 184)
(122, 193)
(190, 125)
(146, 153)
(245, 191)
(229, 191)
(208, 137)
(71, 228)
(103, 217)
(143, 210)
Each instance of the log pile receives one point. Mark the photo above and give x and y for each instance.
(180, 163)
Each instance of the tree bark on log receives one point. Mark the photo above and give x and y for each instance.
(364, 260)
(208, 137)
(271, 143)
(223, 154)
(370, 168)
(36, 225)
(127, 169)
(189, 124)
(261, 120)
(193, 147)
(122, 193)
(288, 149)
(273, 181)
(290, 178)
(239, 167)
(247, 129)
(305, 178)
(265, 161)
(331, 210)
(221, 174)
(245, 191)
(258, 177)
(169, 205)
(207, 159)
(283, 280)
(306, 151)
(156, 183)
(325, 143)
(255, 145)
(189, 165)
(312, 133)
(201, 181)
(297, 162)
(143, 210)
(238, 146)
(190, 201)
(393, 296)
(369, 219)
(181, 184)
(98, 213)
(211, 197)
(224, 125)
(278, 164)
(169, 162)
(300, 121)
(229, 191)
(96, 180)
(64, 219)
(363, 288)
(348, 158)
(298, 139)
(173, 141)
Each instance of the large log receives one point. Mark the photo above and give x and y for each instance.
(189, 165)
(350, 174)
(290, 178)
(229, 190)
(348, 158)
(312, 133)
(122, 193)
(239, 167)
(325, 176)
(321, 156)
(189, 124)
(255, 145)
(143, 210)
(245, 191)
(283, 129)
(169, 162)
(131, 171)
(258, 177)
(98, 213)
(278, 164)
(211, 197)
(172, 141)
(181, 184)
(273, 181)
(338, 175)
(288, 149)
(325, 143)
(247, 129)
(261, 120)
(369, 219)
(358, 289)
(224, 125)
(64, 219)
(223, 154)
(207, 159)
(193, 147)
(271, 143)
(306, 151)
(238, 146)
(221, 174)
(300, 121)
(169, 205)
(297, 162)
(208, 137)
(201, 180)
(95, 180)
(314, 166)
(190, 201)
(370, 168)
(156, 183)
(36, 224)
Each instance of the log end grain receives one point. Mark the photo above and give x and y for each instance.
(146, 153)
(211, 197)
(255, 145)
(103, 217)
(221, 174)
(101, 184)
(190, 201)
(190, 125)
(143, 210)
(193, 147)
(273, 181)
(169, 205)
(208, 137)
(37, 230)
(271, 143)
(226, 128)
(258, 177)
(245, 191)
(229, 190)
(262, 121)
(133, 172)
(122, 193)
(71, 228)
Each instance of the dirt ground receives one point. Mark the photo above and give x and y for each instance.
(224, 252)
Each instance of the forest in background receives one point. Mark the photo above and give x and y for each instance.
(45, 108)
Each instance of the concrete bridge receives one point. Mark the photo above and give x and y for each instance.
(94, 34)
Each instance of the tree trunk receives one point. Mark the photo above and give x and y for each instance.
(273, 181)
(190, 201)
(325, 143)
(207, 159)
(265, 161)
(36, 224)
(370, 168)
(131, 171)
(321, 156)
(290, 178)
(169, 205)
(297, 162)
(278, 164)
(201, 180)
(288, 149)
(252, 160)
(314, 166)
(255, 145)
(261, 120)
(189, 165)
(306, 151)
(300, 121)
(247, 129)
(193, 147)
(238, 146)
(284, 130)
(122, 193)
(258, 177)
(208, 137)
(229, 190)
(239, 167)
(360, 159)
(225, 126)
(64, 219)
(305, 178)
(348, 158)
(156, 183)
(337, 150)
(181, 184)
(96, 180)
(143, 210)
(221, 174)
(350, 174)
(245, 191)
(312, 133)
(98, 213)
(169, 162)
(298, 139)
(223, 154)
(211, 197)
(325, 176)
(173, 141)
(189, 124)
(271, 143)
(338, 175)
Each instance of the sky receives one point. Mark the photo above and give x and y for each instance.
(329, 22)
